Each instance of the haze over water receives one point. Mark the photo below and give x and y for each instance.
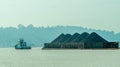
(36, 57)
(95, 14)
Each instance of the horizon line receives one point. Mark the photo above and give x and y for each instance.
(25, 26)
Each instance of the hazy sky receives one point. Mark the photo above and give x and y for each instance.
(96, 14)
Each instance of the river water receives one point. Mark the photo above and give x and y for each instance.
(36, 57)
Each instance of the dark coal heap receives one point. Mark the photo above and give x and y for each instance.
(73, 37)
(76, 38)
(61, 38)
(94, 37)
(81, 37)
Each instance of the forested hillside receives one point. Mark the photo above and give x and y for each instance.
(36, 36)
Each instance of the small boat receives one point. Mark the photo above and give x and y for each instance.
(22, 45)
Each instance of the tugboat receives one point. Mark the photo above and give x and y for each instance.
(22, 45)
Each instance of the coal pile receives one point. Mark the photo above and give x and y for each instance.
(84, 37)
(61, 38)
(80, 37)
(93, 37)
(72, 38)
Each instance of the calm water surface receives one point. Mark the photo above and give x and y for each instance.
(9, 57)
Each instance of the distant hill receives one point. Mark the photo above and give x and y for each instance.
(36, 36)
